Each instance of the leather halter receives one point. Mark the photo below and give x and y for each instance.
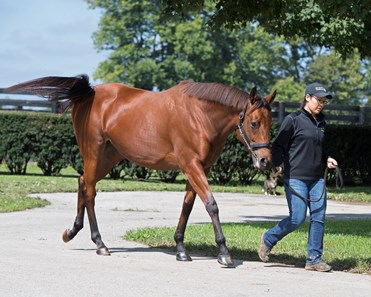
(250, 146)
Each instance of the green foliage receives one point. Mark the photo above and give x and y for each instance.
(54, 142)
(76, 160)
(116, 171)
(223, 169)
(288, 90)
(16, 154)
(127, 29)
(344, 25)
(234, 162)
(345, 77)
(140, 172)
(261, 59)
(149, 51)
(44, 138)
(168, 176)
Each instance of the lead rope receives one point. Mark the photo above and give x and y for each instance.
(339, 185)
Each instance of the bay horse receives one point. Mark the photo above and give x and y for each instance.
(184, 127)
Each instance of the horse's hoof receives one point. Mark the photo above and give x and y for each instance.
(65, 236)
(183, 256)
(225, 260)
(103, 252)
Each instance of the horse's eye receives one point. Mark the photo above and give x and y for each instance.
(254, 125)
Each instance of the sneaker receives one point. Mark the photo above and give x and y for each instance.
(263, 250)
(321, 266)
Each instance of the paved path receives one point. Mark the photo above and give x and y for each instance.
(34, 262)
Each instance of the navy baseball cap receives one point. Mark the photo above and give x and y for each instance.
(317, 90)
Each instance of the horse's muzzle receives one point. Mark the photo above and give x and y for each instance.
(264, 164)
(261, 163)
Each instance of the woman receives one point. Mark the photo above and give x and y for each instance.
(299, 146)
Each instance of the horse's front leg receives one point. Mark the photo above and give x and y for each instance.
(224, 258)
(198, 180)
(69, 234)
(188, 203)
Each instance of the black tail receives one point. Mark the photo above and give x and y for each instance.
(69, 89)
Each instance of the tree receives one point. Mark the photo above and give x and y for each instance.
(149, 52)
(289, 90)
(126, 30)
(344, 25)
(345, 77)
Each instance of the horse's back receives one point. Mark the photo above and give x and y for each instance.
(105, 93)
(109, 100)
(140, 124)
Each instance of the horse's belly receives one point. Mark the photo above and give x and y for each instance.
(157, 155)
(153, 162)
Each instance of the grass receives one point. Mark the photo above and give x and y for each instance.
(15, 188)
(346, 244)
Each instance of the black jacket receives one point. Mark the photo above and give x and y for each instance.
(299, 146)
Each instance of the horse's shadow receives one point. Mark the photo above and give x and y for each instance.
(194, 255)
(164, 250)
(197, 255)
(239, 256)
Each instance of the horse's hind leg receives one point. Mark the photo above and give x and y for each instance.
(69, 234)
(86, 198)
(188, 202)
(95, 234)
(95, 168)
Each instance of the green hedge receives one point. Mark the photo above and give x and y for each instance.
(350, 146)
(48, 140)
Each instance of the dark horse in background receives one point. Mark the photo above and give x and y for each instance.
(184, 127)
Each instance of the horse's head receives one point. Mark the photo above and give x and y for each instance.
(254, 126)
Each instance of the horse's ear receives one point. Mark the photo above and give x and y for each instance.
(271, 97)
(252, 94)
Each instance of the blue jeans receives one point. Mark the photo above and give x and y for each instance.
(311, 189)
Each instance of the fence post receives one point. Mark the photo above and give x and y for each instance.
(56, 107)
(362, 115)
(281, 111)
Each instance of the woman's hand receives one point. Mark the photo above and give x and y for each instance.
(331, 163)
(276, 170)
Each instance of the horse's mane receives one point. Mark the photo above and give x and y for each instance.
(217, 92)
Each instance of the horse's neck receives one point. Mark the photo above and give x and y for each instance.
(221, 119)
